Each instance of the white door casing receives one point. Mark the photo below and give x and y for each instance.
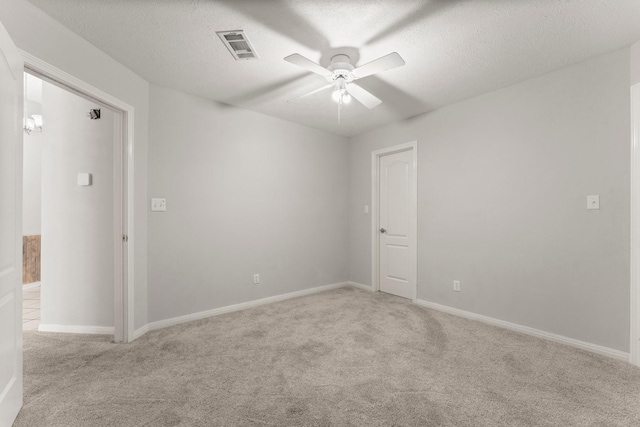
(10, 229)
(634, 350)
(394, 201)
(123, 191)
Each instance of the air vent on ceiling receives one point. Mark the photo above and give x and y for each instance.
(238, 44)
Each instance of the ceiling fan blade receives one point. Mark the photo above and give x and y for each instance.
(313, 91)
(386, 62)
(362, 96)
(307, 64)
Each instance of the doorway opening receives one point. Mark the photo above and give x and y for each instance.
(394, 197)
(116, 188)
(68, 180)
(31, 180)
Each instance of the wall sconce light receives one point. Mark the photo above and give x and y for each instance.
(33, 123)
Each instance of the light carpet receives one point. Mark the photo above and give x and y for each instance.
(344, 357)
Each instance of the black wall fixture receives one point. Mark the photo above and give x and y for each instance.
(94, 114)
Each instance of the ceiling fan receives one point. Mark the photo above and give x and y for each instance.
(341, 75)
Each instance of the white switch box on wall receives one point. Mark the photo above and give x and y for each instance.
(84, 179)
(158, 205)
(593, 202)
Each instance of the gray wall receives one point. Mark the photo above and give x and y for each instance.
(635, 63)
(32, 181)
(503, 181)
(40, 35)
(32, 155)
(246, 193)
(77, 221)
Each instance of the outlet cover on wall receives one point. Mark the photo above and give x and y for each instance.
(593, 202)
(256, 279)
(158, 205)
(456, 285)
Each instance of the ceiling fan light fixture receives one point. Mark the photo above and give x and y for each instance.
(341, 96)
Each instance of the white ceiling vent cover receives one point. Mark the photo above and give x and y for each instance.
(238, 44)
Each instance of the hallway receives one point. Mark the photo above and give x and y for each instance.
(31, 309)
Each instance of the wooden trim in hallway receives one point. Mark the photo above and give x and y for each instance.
(31, 259)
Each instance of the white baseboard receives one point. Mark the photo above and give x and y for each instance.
(594, 348)
(30, 286)
(76, 329)
(236, 307)
(361, 286)
(139, 332)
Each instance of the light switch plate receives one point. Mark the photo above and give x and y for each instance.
(84, 179)
(593, 202)
(158, 205)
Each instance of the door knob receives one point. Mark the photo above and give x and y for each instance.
(382, 230)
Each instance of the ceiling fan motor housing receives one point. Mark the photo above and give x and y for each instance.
(341, 69)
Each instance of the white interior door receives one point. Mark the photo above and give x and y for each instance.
(396, 181)
(11, 72)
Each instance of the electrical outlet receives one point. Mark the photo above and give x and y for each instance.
(456, 285)
(256, 279)
(593, 202)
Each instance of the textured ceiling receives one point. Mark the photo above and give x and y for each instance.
(454, 49)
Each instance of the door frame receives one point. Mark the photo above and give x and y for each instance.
(123, 232)
(413, 220)
(634, 347)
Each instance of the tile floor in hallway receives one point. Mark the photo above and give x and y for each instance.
(31, 309)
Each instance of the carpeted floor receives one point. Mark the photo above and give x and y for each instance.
(340, 358)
